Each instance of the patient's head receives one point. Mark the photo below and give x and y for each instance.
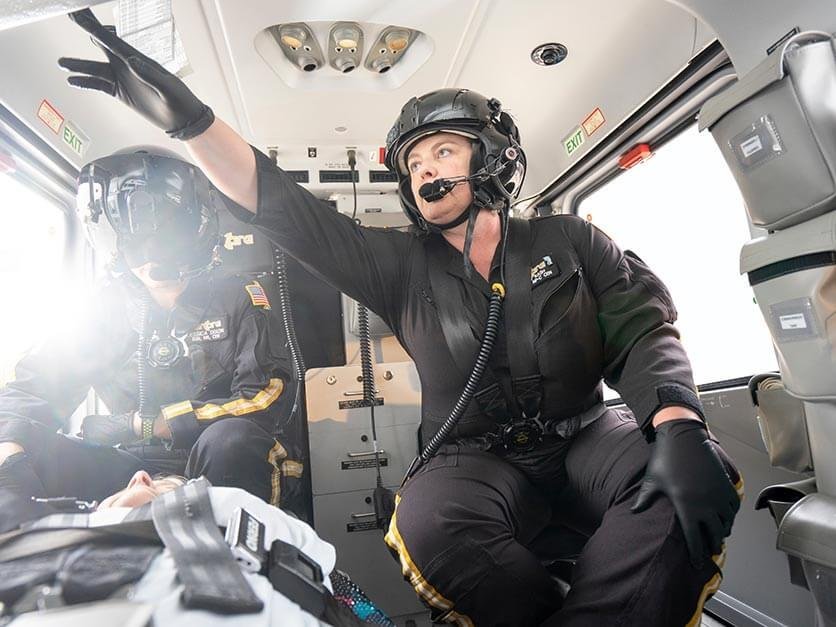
(141, 489)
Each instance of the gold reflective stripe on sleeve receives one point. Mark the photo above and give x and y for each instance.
(241, 406)
(416, 579)
(178, 409)
(291, 468)
(275, 458)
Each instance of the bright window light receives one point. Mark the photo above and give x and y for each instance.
(36, 299)
(682, 213)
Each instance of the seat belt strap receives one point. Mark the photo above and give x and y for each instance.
(211, 578)
(526, 380)
(463, 345)
(457, 332)
(58, 531)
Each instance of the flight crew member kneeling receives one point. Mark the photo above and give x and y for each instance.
(190, 365)
(536, 447)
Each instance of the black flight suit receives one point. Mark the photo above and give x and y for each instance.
(468, 526)
(223, 401)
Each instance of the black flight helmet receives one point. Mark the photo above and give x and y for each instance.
(498, 160)
(146, 204)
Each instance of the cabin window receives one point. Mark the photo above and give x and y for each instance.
(32, 281)
(682, 213)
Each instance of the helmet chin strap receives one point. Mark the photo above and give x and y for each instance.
(432, 227)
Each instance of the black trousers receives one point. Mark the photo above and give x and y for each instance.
(473, 534)
(232, 452)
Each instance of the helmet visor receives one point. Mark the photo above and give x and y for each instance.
(140, 205)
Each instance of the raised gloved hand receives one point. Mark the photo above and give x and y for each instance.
(108, 430)
(691, 469)
(138, 81)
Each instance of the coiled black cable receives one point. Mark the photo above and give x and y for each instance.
(367, 370)
(365, 352)
(296, 356)
(141, 350)
(485, 348)
(299, 410)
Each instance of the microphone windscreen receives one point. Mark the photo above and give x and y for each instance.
(428, 189)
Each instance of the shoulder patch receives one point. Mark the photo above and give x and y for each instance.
(257, 295)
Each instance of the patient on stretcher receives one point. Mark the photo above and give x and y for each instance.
(155, 576)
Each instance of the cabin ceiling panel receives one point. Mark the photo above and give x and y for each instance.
(748, 29)
(617, 57)
(619, 53)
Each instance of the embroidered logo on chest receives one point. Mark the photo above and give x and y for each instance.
(544, 270)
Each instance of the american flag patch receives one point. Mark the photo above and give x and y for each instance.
(257, 295)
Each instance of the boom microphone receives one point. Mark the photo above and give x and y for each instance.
(439, 188)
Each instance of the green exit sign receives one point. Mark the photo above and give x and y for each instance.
(574, 141)
(74, 138)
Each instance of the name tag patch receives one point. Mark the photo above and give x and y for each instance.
(210, 330)
(546, 269)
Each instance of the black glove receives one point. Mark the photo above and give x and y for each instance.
(691, 469)
(108, 430)
(138, 81)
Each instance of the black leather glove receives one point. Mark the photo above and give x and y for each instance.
(108, 430)
(691, 469)
(138, 81)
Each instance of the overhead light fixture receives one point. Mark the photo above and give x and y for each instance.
(293, 41)
(397, 40)
(346, 35)
(345, 46)
(388, 48)
(341, 44)
(299, 45)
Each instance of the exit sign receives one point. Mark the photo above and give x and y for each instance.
(74, 138)
(574, 141)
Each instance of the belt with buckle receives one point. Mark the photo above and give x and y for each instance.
(521, 435)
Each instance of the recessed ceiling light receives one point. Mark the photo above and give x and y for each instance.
(340, 129)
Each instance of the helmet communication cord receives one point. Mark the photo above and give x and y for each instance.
(384, 500)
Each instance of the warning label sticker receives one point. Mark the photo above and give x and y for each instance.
(593, 121)
(368, 525)
(359, 403)
(49, 115)
(360, 464)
